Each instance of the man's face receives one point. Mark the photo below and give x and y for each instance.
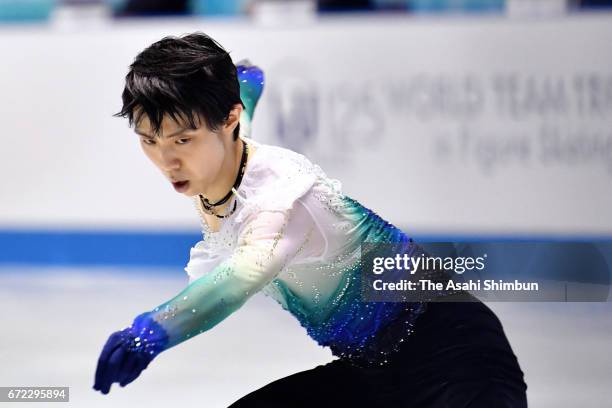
(190, 159)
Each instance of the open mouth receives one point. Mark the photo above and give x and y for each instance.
(181, 186)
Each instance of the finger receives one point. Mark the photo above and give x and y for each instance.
(101, 370)
(141, 364)
(129, 363)
(111, 344)
(114, 364)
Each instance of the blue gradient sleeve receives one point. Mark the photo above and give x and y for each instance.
(251, 79)
(264, 246)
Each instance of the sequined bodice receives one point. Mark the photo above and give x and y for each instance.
(317, 276)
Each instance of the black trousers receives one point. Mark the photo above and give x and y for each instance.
(457, 357)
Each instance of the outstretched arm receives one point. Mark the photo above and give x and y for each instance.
(267, 241)
(263, 248)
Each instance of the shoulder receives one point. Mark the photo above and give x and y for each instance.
(276, 162)
(275, 178)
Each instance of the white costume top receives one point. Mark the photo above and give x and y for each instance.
(296, 237)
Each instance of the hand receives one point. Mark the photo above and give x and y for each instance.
(128, 352)
(117, 363)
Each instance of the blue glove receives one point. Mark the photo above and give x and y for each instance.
(128, 352)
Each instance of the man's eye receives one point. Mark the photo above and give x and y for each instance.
(148, 141)
(183, 141)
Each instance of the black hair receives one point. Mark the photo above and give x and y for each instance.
(183, 77)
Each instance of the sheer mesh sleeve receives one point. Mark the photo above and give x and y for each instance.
(202, 260)
(267, 241)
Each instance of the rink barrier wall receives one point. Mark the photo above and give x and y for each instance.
(135, 248)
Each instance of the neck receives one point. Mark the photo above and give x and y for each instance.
(227, 174)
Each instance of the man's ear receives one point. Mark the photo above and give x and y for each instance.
(233, 118)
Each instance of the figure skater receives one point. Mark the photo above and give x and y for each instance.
(274, 222)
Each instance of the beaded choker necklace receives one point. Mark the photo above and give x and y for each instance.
(208, 207)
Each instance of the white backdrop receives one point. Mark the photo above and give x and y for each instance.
(439, 125)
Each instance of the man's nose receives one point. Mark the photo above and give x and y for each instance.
(169, 159)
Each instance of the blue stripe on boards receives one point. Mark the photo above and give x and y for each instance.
(171, 249)
(96, 248)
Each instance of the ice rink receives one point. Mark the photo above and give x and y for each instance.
(55, 321)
